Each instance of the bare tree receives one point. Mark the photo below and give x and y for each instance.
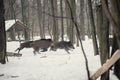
(81, 15)
(114, 18)
(39, 10)
(2, 34)
(24, 5)
(55, 21)
(78, 34)
(9, 7)
(93, 29)
(70, 24)
(103, 37)
(62, 23)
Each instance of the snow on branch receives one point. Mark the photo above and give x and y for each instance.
(106, 66)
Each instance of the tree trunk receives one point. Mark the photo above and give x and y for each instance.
(9, 13)
(78, 34)
(39, 9)
(88, 20)
(82, 27)
(55, 21)
(24, 5)
(103, 37)
(2, 34)
(105, 45)
(70, 26)
(93, 29)
(62, 24)
(115, 20)
(116, 14)
(49, 21)
(44, 17)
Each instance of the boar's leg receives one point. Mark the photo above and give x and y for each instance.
(36, 49)
(34, 52)
(53, 48)
(44, 49)
(67, 50)
(18, 49)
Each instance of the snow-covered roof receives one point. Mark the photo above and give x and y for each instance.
(9, 23)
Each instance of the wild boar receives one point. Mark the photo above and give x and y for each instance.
(43, 44)
(67, 45)
(24, 45)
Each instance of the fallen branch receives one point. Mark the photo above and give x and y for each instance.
(14, 54)
(107, 65)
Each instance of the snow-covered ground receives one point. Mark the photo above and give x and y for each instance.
(50, 65)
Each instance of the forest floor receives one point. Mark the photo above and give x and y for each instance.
(50, 65)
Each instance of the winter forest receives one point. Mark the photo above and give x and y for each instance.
(59, 40)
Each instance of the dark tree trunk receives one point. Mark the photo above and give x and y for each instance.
(93, 29)
(82, 27)
(114, 18)
(24, 5)
(70, 24)
(2, 34)
(116, 14)
(39, 9)
(62, 26)
(103, 37)
(55, 21)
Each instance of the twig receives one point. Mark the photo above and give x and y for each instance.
(78, 33)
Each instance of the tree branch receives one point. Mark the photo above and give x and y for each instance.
(109, 16)
(106, 66)
(44, 12)
(64, 17)
(78, 34)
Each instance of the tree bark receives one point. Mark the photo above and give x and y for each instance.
(55, 21)
(39, 10)
(103, 37)
(114, 18)
(93, 29)
(82, 27)
(2, 34)
(62, 23)
(24, 5)
(70, 24)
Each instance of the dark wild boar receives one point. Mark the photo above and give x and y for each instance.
(43, 44)
(24, 45)
(67, 45)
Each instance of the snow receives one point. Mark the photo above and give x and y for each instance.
(50, 65)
